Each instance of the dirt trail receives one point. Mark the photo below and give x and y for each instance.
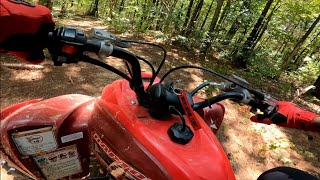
(252, 148)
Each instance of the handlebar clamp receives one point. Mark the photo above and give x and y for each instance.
(106, 49)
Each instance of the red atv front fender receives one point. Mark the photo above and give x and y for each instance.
(9, 110)
(213, 115)
(65, 115)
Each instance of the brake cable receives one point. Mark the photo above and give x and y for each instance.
(106, 66)
(255, 92)
(203, 85)
(145, 61)
(148, 63)
(162, 61)
(128, 68)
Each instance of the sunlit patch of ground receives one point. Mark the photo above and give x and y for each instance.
(27, 75)
(254, 148)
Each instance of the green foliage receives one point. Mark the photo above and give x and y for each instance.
(288, 22)
(120, 24)
(273, 146)
(263, 66)
(263, 149)
(306, 74)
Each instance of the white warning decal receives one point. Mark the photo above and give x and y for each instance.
(71, 137)
(59, 163)
(35, 141)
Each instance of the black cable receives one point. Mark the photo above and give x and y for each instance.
(136, 83)
(145, 61)
(106, 66)
(128, 68)
(149, 64)
(218, 98)
(181, 116)
(162, 61)
(193, 92)
(257, 93)
(195, 67)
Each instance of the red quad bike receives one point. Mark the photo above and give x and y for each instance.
(139, 128)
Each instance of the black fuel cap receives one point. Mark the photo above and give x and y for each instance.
(179, 135)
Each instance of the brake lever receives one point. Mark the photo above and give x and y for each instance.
(265, 100)
(271, 102)
(105, 35)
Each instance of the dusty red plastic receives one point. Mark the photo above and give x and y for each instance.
(114, 124)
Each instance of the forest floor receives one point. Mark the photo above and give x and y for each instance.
(251, 148)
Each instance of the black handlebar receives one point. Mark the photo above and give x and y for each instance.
(136, 84)
(218, 98)
(158, 99)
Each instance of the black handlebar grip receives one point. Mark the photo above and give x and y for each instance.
(258, 94)
(256, 104)
(93, 46)
(218, 98)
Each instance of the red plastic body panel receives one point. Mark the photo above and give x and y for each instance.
(213, 115)
(7, 111)
(122, 134)
(202, 158)
(66, 114)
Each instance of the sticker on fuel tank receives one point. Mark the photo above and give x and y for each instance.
(72, 137)
(35, 141)
(59, 163)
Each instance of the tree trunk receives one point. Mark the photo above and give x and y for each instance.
(212, 26)
(317, 85)
(186, 20)
(223, 14)
(205, 19)
(281, 48)
(143, 14)
(265, 25)
(247, 47)
(295, 50)
(232, 31)
(309, 49)
(316, 49)
(177, 27)
(135, 11)
(239, 41)
(94, 10)
(171, 16)
(63, 10)
(105, 7)
(160, 20)
(153, 15)
(298, 61)
(46, 3)
(254, 33)
(194, 17)
(121, 5)
(216, 15)
(112, 5)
